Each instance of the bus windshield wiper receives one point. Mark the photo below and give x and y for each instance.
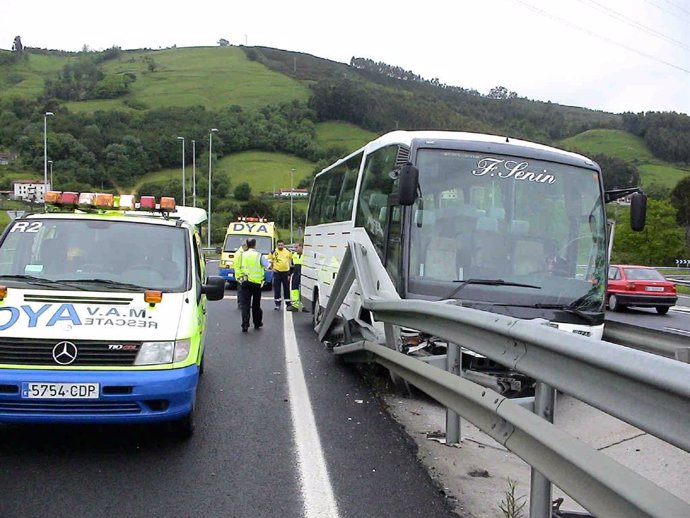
(106, 282)
(567, 308)
(489, 282)
(38, 281)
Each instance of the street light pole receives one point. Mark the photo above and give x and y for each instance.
(210, 151)
(50, 163)
(292, 171)
(184, 182)
(194, 172)
(45, 154)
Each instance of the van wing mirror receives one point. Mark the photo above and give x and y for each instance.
(408, 184)
(638, 211)
(214, 288)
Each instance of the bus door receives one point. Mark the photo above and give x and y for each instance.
(392, 258)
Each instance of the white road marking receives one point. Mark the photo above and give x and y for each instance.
(317, 494)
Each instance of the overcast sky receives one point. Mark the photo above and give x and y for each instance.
(612, 55)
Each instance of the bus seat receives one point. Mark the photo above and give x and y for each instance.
(519, 227)
(376, 201)
(441, 259)
(424, 217)
(529, 256)
(497, 212)
(490, 249)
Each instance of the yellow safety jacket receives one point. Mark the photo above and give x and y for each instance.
(281, 260)
(251, 266)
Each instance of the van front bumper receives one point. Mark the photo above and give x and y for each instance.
(123, 396)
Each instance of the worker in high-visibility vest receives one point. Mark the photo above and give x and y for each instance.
(252, 271)
(237, 265)
(295, 279)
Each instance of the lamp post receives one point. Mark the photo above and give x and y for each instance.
(184, 182)
(50, 163)
(292, 171)
(45, 154)
(210, 151)
(194, 172)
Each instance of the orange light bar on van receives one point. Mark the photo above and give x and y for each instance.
(53, 196)
(127, 202)
(86, 200)
(104, 201)
(147, 202)
(69, 198)
(153, 296)
(167, 203)
(3, 292)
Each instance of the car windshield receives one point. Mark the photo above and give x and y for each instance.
(643, 274)
(93, 254)
(233, 242)
(503, 218)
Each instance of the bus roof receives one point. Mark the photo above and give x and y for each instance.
(408, 137)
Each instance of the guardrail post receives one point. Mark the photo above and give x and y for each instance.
(683, 354)
(454, 366)
(540, 486)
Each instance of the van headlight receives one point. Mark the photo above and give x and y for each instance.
(156, 353)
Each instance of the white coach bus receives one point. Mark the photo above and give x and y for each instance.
(501, 225)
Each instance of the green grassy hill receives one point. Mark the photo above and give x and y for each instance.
(342, 135)
(628, 147)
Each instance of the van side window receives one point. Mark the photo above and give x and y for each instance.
(199, 266)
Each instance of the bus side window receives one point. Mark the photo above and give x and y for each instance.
(377, 185)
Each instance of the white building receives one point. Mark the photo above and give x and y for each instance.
(30, 190)
(295, 193)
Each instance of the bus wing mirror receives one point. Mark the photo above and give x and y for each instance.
(638, 211)
(409, 184)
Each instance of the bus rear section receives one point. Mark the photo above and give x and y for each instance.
(238, 232)
(103, 315)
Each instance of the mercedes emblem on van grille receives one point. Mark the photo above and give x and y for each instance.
(65, 353)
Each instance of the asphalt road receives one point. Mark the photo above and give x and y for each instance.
(242, 461)
(675, 321)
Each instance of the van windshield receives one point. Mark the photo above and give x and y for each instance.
(234, 241)
(91, 253)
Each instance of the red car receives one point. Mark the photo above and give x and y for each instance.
(639, 286)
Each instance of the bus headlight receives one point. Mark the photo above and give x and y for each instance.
(156, 353)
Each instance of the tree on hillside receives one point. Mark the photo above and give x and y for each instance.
(223, 42)
(617, 173)
(659, 244)
(242, 192)
(17, 45)
(680, 199)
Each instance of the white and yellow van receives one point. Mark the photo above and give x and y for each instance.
(103, 312)
(238, 232)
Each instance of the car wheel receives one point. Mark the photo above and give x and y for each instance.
(316, 312)
(662, 310)
(614, 305)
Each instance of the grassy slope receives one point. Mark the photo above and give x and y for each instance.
(342, 135)
(32, 73)
(628, 147)
(212, 77)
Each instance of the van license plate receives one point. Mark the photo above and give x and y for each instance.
(60, 390)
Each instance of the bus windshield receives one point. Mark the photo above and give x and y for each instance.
(88, 254)
(506, 230)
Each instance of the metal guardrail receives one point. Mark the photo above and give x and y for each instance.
(647, 391)
(670, 345)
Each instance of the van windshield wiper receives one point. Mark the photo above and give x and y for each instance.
(38, 281)
(107, 282)
(489, 282)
